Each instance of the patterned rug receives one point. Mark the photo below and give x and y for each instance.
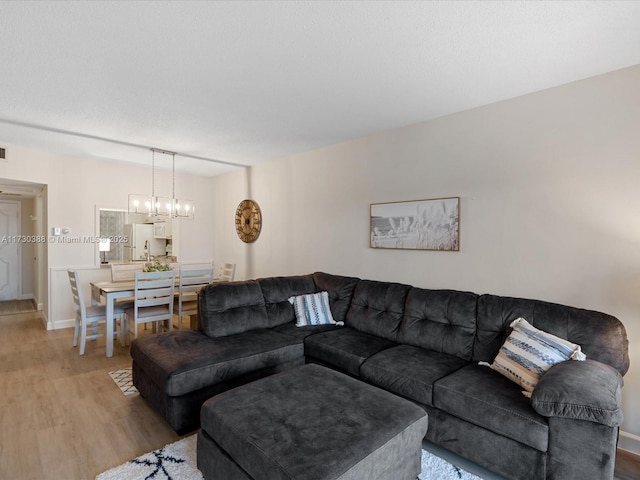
(177, 461)
(123, 380)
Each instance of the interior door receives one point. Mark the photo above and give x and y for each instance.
(9, 250)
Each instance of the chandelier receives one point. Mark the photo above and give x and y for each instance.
(163, 207)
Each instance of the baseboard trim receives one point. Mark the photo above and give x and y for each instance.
(629, 442)
(70, 323)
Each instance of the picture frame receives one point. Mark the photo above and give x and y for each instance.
(432, 224)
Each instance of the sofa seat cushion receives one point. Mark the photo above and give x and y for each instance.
(183, 361)
(345, 348)
(487, 399)
(409, 371)
(302, 332)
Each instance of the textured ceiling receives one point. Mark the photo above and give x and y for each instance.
(246, 82)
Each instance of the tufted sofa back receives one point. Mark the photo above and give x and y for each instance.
(340, 290)
(277, 290)
(228, 308)
(377, 308)
(601, 336)
(469, 326)
(440, 320)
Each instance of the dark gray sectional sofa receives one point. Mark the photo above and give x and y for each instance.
(423, 345)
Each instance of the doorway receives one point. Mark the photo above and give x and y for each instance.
(23, 251)
(10, 251)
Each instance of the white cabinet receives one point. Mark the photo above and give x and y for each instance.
(162, 229)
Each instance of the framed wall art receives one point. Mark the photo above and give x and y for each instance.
(417, 225)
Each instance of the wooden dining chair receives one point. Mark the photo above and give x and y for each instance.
(91, 321)
(153, 300)
(189, 283)
(227, 273)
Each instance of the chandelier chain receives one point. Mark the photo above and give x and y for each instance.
(153, 173)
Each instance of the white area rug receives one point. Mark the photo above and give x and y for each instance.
(435, 468)
(123, 380)
(177, 461)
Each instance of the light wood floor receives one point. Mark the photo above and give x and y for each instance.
(62, 417)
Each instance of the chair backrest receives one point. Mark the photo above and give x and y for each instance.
(227, 273)
(175, 266)
(194, 280)
(76, 291)
(154, 288)
(125, 271)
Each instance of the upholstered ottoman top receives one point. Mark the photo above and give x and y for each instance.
(315, 423)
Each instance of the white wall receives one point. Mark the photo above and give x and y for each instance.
(75, 186)
(550, 204)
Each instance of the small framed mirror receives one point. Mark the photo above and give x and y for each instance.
(111, 226)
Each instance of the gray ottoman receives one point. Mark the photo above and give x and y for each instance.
(310, 423)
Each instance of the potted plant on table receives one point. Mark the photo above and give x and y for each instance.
(156, 266)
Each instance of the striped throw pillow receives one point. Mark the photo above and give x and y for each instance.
(528, 353)
(312, 309)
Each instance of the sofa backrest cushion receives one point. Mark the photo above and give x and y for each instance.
(227, 308)
(440, 320)
(340, 290)
(377, 308)
(601, 336)
(277, 290)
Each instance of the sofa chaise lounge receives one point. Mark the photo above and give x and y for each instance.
(422, 345)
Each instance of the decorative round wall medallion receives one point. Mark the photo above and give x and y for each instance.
(248, 221)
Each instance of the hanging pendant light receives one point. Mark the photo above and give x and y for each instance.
(155, 206)
(180, 208)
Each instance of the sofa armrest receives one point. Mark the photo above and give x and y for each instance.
(586, 390)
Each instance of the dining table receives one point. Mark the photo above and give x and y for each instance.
(111, 291)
